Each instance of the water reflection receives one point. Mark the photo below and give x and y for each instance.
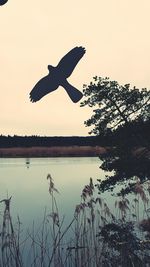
(27, 163)
(27, 184)
(93, 226)
(126, 166)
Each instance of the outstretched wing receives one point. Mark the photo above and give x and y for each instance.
(43, 87)
(70, 60)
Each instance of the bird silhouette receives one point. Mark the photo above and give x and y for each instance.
(58, 77)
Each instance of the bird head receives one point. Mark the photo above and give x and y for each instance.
(50, 68)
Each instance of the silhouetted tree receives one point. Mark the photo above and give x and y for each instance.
(122, 115)
(114, 105)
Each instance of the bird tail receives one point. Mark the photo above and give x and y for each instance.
(73, 92)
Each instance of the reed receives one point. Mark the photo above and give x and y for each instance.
(95, 237)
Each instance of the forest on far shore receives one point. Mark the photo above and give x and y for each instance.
(139, 137)
(49, 141)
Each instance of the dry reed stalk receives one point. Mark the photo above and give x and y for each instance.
(85, 248)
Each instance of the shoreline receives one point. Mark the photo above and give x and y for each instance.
(53, 151)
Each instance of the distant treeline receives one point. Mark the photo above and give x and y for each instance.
(136, 133)
(30, 141)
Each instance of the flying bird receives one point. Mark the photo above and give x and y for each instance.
(2, 2)
(58, 77)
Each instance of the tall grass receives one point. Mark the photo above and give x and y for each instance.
(96, 236)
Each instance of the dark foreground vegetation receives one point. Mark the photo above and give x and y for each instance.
(96, 236)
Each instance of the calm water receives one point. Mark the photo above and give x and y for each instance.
(28, 186)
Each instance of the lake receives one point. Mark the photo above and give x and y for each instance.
(46, 243)
(26, 181)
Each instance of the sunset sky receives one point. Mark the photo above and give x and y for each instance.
(33, 34)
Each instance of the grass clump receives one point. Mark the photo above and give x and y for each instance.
(96, 236)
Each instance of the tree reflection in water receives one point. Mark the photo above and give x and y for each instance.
(126, 166)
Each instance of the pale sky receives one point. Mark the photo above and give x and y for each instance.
(33, 34)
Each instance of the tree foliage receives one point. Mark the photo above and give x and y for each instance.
(121, 115)
(114, 104)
